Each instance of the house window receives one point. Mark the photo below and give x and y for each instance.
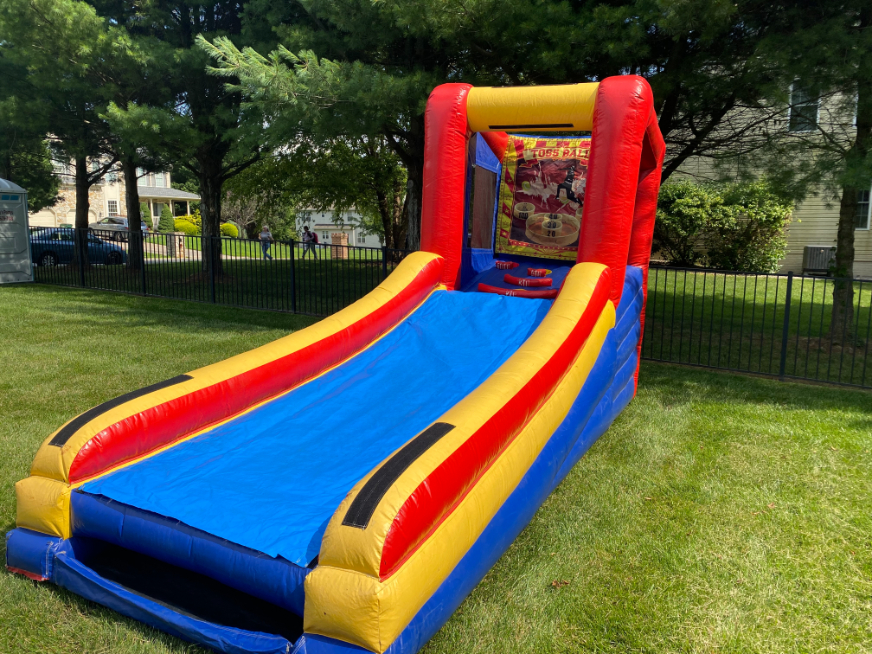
(325, 236)
(159, 180)
(65, 171)
(361, 239)
(861, 220)
(112, 206)
(803, 115)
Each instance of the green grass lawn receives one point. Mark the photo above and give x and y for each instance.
(719, 513)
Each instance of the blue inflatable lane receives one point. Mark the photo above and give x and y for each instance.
(271, 478)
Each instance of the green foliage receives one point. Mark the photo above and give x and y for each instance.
(752, 237)
(145, 213)
(338, 71)
(685, 211)
(230, 230)
(186, 227)
(166, 220)
(26, 160)
(62, 65)
(338, 175)
(736, 227)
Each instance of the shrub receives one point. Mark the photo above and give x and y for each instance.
(186, 227)
(166, 220)
(229, 229)
(684, 212)
(145, 212)
(195, 218)
(735, 227)
(754, 239)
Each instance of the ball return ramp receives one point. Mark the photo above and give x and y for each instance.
(344, 488)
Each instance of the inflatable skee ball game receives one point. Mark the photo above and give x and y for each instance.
(342, 489)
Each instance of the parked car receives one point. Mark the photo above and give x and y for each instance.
(118, 226)
(51, 247)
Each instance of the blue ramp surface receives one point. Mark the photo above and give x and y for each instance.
(271, 479)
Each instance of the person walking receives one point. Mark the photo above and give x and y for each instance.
(310, 239)
(266, 240)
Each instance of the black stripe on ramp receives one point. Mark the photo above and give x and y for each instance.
(364, 505)
(60, 439)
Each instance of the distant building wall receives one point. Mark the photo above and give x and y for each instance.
(814, 222)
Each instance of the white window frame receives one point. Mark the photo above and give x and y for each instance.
(868, 215)
(817, 114)
(109, 204)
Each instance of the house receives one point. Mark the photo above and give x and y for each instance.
(108, 197)
(815, 220)
(326, 223)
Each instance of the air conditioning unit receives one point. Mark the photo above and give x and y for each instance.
(817, 259)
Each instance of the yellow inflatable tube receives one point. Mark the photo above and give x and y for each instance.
(352, 595)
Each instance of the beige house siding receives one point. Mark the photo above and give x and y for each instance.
(814, 222)
(64, 210)
(321, 222)
(111, 188)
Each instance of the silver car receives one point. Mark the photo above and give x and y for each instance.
(118, 226)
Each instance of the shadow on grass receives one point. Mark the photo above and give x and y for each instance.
(672, 382)
(157, 312)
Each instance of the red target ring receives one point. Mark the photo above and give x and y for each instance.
(526, 281)
(506, 265)
(542, 294)
(538, 272)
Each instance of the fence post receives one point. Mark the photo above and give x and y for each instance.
(384, 263)
(81, 244)
(293, 281)
(784, 329)
(211, 264)
(142, 263)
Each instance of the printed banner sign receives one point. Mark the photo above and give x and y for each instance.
(541, 197)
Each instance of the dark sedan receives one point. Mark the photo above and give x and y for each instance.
(52, 247)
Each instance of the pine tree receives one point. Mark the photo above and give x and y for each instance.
(167, 222)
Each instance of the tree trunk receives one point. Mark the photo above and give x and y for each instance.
(412, 209)
(412, 156)
(398, 223)
(210, 212)
(136, 242)
(842, 321)
(842, 328)
(386, 215)
(83, 206)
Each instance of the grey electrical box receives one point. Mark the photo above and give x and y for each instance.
(15, 262)
(816, 259)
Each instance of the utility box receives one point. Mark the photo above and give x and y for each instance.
(15, 261)
(816, 259)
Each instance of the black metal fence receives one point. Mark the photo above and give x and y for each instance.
(779, 325)
(317, 279)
